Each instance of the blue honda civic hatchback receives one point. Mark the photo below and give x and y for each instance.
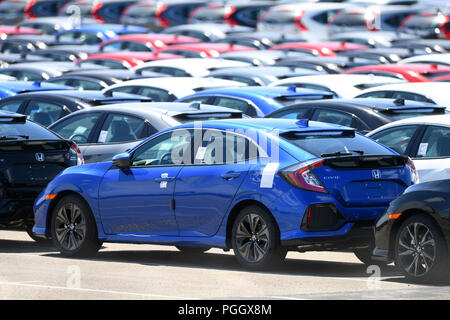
(261, 187)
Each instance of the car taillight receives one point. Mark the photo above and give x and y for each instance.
(298, 21)
(227, 16)
(302, 177)
(77, 153)
(414, 173)
(27, 9)
(94, 12)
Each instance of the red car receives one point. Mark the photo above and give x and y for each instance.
(144, 42)
(6, 31)
(204, 49)
(326, 48)
(125, 60)
(411, 72)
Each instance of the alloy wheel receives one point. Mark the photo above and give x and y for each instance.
(252, 238)
(70, 226)
(416, 249)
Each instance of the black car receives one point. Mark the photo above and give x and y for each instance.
(414, 232)
(100, 79)
(49, 106)
(363, 115)
(30, 157)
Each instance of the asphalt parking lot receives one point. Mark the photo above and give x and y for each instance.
(125, 271)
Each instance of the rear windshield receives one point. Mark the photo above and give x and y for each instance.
(209, 13)
(279, 16)
(348, 19)
(423, 22)
(141, 10)
(12, 6)
(327, 143)
(27, 131)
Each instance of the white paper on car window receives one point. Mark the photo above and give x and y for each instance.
(423, 147)
(200, 153)
(102, 136)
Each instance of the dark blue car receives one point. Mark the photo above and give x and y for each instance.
(256, 101)
(258, 186)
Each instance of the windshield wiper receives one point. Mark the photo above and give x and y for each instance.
(339, 153)
(14, 137)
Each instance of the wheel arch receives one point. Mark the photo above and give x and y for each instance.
(235, 211)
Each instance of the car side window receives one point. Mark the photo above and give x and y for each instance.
(173, 72)
(236, 104)
(112, 46)
(172, 148)
(77, 128)
(86, 85)
(121, 128)
(397, 138)
(137, 46)
(435, 143)
(44, 112)
(376, 94)
(299, 113)
(126, 89)
(12, 106)
(218, 147)
(30, 76)
(331, 116)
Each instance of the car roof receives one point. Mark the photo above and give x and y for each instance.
(163, 108)
(440, 120)
(180, 84)
(267, 92)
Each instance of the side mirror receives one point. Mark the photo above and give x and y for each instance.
(122, 160)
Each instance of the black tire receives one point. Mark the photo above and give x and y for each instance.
(256, 246)
(77, 235)
(192, 250)
(365, 256)
(430, 250)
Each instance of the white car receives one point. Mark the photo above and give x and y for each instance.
(170, 88)
(436, 58)
(426, 140)
(188, 67)
(344, 85)
(431, 92)
(308, 19)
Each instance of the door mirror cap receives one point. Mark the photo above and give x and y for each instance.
(122, 160)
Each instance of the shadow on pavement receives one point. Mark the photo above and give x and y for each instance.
(227, 262)
(21, 246)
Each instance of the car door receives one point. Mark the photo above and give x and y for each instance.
(118, 133)
(139, 200)
(433, 150)
(205, 190)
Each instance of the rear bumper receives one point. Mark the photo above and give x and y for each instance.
(356, 234)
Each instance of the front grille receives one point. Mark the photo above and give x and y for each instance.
(322, 217)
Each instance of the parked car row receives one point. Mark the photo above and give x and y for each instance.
(258, 126)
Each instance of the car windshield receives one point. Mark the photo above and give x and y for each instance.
(335, 143)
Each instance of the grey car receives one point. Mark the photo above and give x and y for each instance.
(105, 131)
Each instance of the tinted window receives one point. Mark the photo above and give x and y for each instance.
(332, 142)
(120, 128)
(112, 46)
(418, 22)
(12, 106)
(299, 113)
(30, 76)
(44, 113)
(396, 138)
(77, 128)
(435, 143)
(335, 117)
(155, 94)
(279, 17)
(86, 85)
(236, 104)
(348, 19)
(32, 130)
(127, 89)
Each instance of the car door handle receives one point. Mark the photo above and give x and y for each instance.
(230, 175)
(162, 179)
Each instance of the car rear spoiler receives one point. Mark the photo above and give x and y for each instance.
(13, 118)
